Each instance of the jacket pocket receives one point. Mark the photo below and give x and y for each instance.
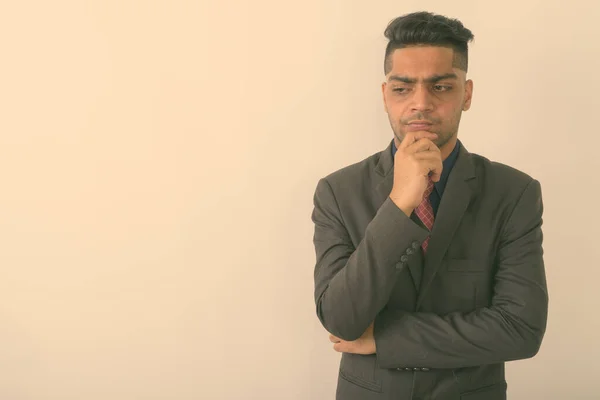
(470, 280)
(361, 370)
(496, 391)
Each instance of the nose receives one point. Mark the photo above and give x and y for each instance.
(421, 99)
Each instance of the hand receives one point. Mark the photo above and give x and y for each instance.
(363, 345)
(416, 157)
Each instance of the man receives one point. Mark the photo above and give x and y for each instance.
(429, 268)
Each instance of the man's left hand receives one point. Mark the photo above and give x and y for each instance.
(363, 345)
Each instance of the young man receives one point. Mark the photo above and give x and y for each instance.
(429, 264)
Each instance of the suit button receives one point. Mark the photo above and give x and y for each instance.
(404, 259)
(416, 369)
(425, 369)
(409, 251)
(415, 245)
(408, 369)
(400, 265)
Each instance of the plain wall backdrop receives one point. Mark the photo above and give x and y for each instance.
(158, 162)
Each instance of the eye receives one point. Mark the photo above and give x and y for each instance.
(442, 88)
(400, 90)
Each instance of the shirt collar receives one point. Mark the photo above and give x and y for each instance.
(448, 163)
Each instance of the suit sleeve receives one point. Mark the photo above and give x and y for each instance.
(511, 328)
(353, 284)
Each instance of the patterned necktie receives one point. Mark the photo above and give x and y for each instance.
(425, 212)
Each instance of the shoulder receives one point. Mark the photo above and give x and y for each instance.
(354, 174)
(502, 178)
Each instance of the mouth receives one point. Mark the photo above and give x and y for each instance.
(419, 126)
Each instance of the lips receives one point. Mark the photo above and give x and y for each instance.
(419, 126)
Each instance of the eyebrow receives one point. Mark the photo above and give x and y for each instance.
(431, 79)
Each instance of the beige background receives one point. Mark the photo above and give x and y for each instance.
(158, 164)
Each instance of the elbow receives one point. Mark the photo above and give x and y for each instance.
(529, 328)
(346, 335)
(527, 335)
(530, 342)
(535, 334)
(350, 334)
(521, 347)
(340, 327)
(531, 346)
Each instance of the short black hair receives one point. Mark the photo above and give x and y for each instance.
(425, 28)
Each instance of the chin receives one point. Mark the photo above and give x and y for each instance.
(442, 141)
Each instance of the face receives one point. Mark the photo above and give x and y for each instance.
(425, 92)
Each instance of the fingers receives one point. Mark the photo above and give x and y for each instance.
(431, 164)
(421, 145)
(339, 345)
(346, 347)
(436, 172)
(434, 169)
(412, 137)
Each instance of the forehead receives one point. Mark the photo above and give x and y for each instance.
(423, 61)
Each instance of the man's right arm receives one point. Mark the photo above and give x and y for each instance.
(352, 285)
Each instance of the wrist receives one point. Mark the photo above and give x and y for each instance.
(402, 205)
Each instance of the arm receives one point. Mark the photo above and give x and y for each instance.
(353, 285)
(511, 328)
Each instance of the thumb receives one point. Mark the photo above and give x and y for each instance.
(435, 176)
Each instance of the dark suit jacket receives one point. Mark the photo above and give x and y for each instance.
(444, 324)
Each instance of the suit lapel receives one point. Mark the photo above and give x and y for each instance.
(385, 169)
(461, 187)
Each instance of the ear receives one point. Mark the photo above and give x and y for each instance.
(383, 86)
(468, 95)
